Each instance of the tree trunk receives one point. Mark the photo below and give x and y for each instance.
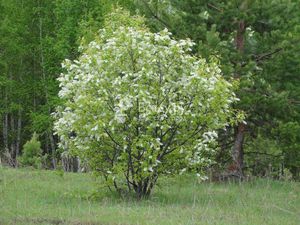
(52, 144)
(49, 133)
(12, 142)
(144, 187)
(19, 129)
(240, 36)
(5, 131)
(238, 153)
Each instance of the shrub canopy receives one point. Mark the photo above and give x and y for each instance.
(137, 104)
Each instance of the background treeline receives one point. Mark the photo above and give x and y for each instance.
(256, 41)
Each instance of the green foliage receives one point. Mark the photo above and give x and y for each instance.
(32, 154)
(264, 158)
(36, 36)
(289, 134)
(267, 63)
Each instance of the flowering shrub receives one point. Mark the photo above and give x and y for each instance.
(137, 104)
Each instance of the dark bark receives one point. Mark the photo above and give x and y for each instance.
(144, 188)
(70, 163)
(5, 131)
(52, 145)
(238, 153)
(240, 36)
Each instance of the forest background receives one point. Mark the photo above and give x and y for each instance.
(256, 43)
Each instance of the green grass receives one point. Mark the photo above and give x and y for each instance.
(45, 197)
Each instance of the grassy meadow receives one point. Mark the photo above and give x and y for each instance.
(51, 197)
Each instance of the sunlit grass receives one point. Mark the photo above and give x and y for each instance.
(46, 197)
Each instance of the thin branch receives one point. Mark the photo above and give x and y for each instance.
(155, 16)
(294, 101)
(265, 55)
(259, 58)
(214, 7)
(262, 153)
(197, 130)
(114, 141)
